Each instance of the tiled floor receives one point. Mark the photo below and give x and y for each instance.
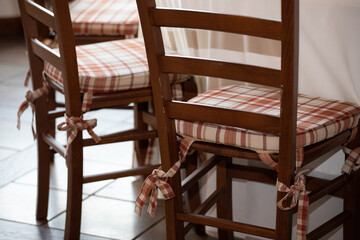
(107, 206)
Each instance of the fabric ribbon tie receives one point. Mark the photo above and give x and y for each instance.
(31, 96)
(75, 124)
(158, 180)
(298, 195)
(352, 162)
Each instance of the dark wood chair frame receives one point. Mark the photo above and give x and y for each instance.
(37, 20)
(286, 79)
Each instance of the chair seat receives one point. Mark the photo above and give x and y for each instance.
(104, 17)
(111, 66)
(317, 118)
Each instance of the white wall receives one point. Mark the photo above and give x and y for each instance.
(9, 9)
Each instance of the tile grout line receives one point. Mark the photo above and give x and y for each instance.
(147, 229)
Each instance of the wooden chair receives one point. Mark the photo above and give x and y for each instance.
(272, 123)
(94, 76)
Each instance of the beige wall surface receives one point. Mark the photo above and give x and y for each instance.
(9, 9)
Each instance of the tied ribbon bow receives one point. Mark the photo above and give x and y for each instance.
(298, 193)
(158, 180)
(75, 124)
(31, 96)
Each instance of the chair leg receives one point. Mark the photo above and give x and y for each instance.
(194, 192)
(224, 204)
(351, 204)
(44, 159)
(74, 191)
(352, 198)
(174, 227)
(283, 221)
(140, 145)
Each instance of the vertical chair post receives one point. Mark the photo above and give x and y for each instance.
(288, 111)
(194, 191)
(74, 162)
(352, 198)
(140, 145)
(36, 65)
(224, 204)
(166, 127)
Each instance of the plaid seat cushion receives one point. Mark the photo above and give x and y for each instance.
(111, 66)
(317, 118)
(104, 17)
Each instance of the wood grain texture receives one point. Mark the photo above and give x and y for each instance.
(213, 68)
(217, 22)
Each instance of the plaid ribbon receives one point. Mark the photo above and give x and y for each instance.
(87, 100)
(297, 192)
(31, 96)
(75, 124)
(352, 162)
(158, 180)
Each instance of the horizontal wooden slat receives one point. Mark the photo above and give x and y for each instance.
(129, 135)
(223, 116)
(217, 22)
(193, 178)
(328, 188)
(51, 141)
(329, 226)
(46, 53)
(206, 205)
(40, 13)
(56, 114)
(227, 225)
(143, 170)
(220, 69)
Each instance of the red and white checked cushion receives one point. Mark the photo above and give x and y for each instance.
(111, 66)
(104, 17)
(317, 118)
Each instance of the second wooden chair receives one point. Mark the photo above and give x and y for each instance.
(272, 123)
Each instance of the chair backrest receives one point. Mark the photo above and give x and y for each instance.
(286, 31)
(37, 20)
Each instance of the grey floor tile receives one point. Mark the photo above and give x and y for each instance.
(14, 231)
(17, 165)
(5, 153)
(12, 96)
(58, 175)
(123, 188)
(10, 113)
(17, 78)
(159, 232)
(116, 153)
(113, 115)
(12, 138)
(18, 203)
(111, 218)
(11, 74)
